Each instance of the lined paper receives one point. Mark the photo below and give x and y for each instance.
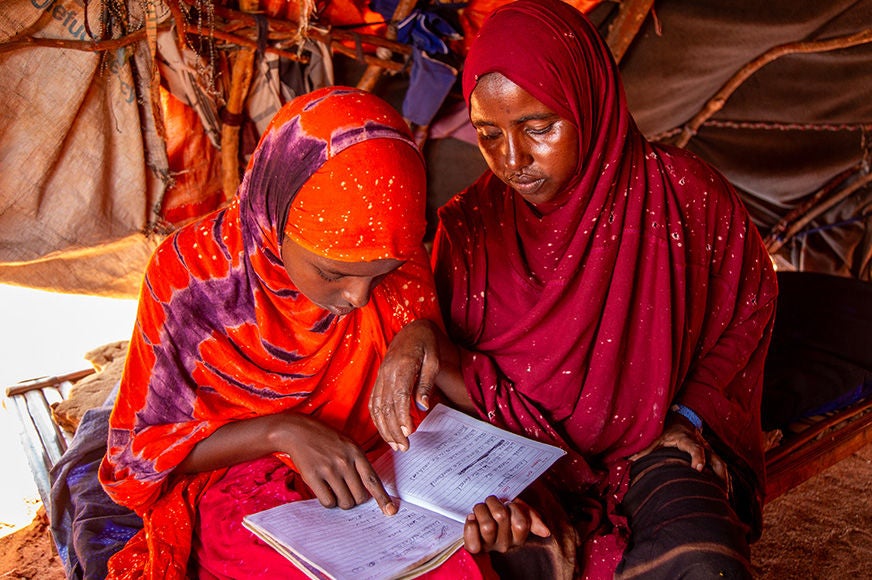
(454, 461)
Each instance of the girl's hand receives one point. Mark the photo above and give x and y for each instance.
(332, 465)
(495, 526)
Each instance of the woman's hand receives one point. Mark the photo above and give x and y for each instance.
(679, 433)
(336, 469)
(497, 526)
(409, 370)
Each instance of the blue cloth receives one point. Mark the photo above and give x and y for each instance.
(431, 81)
(87, 527)
(427, 31)
(689, 414)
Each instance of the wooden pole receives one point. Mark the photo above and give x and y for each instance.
(622, 31)
(787, 231)
(373, 72)
(716, 103)
(243, 68)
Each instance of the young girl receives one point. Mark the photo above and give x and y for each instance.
(259, 335)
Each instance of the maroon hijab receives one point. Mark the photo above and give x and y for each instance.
(643, 286)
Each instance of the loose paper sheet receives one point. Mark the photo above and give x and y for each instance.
(454, 461)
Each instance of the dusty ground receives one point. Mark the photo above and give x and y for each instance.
(822, 529)
(28, 553)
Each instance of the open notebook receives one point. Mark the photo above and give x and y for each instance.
(454, 461)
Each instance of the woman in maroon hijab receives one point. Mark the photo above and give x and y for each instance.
(606, 295)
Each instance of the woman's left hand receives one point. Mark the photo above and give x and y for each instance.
(408, 370)
(497, 526)
(682, 435)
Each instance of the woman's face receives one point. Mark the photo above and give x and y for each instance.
(526, 144)
(339, 287)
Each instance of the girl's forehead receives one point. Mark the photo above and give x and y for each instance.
(364, 268)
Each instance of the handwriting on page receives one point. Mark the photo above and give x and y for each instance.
(409, 536)
(453, 459)
(455, 465)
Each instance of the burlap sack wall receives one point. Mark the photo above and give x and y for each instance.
(78, 169)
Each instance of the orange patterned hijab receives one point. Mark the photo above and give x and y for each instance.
(223, 335)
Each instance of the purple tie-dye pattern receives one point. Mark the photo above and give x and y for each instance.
(214, 304)
(325, 323)
(285, 168)
(261, 391)
(216, 234)
(143, 468)
(209, 305)
(204, 309)
(284, 355)
(286, 159)
(342, 140)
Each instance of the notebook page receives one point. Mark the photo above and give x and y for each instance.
(360, 543)
(455, 461)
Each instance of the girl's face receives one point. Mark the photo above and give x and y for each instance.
(527, 145)
(339, 287)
